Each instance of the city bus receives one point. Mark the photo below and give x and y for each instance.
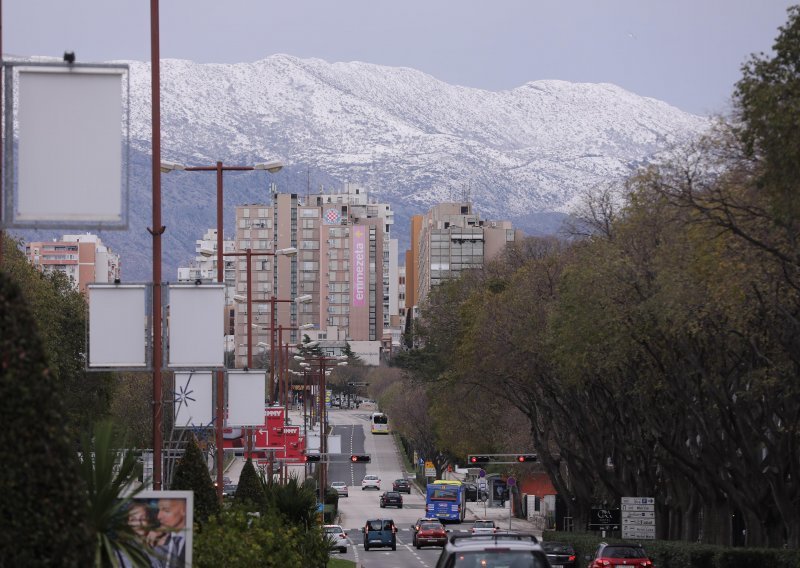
(380, 423)
(446, 501)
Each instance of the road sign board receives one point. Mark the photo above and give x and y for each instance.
(511, 482)
(638, 517)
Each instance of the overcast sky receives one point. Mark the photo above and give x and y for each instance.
(685, 52)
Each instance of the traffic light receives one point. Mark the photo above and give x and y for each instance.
(313, 457)
(360, 458)
(478, 459)
(524, 458)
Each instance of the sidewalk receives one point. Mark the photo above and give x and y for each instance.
(500, 516)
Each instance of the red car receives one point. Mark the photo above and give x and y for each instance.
(430, 533)
(620, 554)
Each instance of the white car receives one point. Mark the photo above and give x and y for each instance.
(341, 488)
(484, 526)
(371, 481)
(337, 536)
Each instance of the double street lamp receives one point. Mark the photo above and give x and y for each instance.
(321, 363)
(272, 167)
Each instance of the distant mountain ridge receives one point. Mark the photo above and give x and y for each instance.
(410, 139)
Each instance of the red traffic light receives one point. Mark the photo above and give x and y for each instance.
(478, 459)
(523, 458)
(360, 458)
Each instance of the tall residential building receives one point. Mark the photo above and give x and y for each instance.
(83, 258)
(447, 240)
(345, 262)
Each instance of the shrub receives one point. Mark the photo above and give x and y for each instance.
(43, 504)
(192, 474)
(236, 538)
(250, 492)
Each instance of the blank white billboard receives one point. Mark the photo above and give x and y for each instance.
(193, 399)
(196, 323)
(69, 165)
(117, 325)
(246, 396)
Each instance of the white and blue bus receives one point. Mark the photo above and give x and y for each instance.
(379, 423)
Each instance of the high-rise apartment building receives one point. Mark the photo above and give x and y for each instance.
(447, 240)
(346, 262)
(83, 258)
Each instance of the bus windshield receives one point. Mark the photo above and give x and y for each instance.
(443, 493)
(379, 418)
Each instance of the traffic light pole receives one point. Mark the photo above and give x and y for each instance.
(500, 459)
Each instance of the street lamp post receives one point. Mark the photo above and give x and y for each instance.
(321, 362)
(272, 167)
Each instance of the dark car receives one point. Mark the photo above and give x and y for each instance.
(619, 554)
(560, 554)
(430, 533)
(380, 533)
(401, 486)
(391, 499)
(471, 492)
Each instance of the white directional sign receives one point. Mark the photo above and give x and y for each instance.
(638, 517)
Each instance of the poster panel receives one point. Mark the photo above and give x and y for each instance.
(193, 399)
(117, 326)
(66, 145)
(196, 324)
(162, 520)
(246, 395)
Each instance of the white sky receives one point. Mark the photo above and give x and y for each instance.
(685, 52)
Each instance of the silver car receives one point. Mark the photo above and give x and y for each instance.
(341, 488)
(337, 537)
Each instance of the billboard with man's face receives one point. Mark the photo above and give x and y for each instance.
(163, 522)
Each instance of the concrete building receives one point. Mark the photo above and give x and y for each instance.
(346, 262)
(83, 258)
(447, 240)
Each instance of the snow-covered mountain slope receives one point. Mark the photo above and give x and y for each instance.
(409, 138)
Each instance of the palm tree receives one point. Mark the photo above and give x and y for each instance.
(109, 475)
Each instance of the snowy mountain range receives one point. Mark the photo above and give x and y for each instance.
(410, 139)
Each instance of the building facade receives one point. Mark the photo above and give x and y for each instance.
(83, 258)
(447, 240)
(345, 263)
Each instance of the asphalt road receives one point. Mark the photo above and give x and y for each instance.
(353, 427)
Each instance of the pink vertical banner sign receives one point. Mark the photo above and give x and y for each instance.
(359, 266)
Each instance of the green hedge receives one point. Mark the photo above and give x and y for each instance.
(677, 554)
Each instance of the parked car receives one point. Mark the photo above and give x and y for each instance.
(341, 488)
(380, 533)
(560, 554)
(391, 499)
(483, 526)
(430, 533)
(471, 492)
(401, 485)
(229, 490)
(619, 554)
(337, 537)
(371, 482)
(500, 549)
